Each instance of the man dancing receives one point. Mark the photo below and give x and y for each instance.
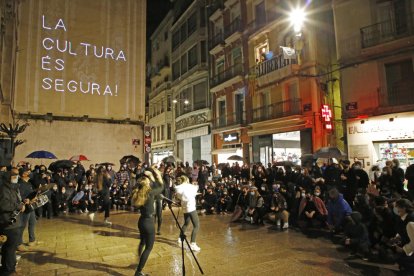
(187, 192)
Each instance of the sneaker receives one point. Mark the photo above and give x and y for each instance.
(91, 216)
(278, 222)
(107, 222)
(18, 257)
(86, 210)
(33, 243)
(22, 248)
(285, 225)
(194, 247)
(179, 241)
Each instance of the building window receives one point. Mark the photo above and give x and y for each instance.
(165, 35)
(153, 134)
(158, 133)
(175, 40)
(202, 17)
(168, 131)
(162, 133)
(176, 70)
(184, 64)
(200, 95)
(400, 82)
(183, 32)
(236, 56)
(192, 23)
(203, 51)
(192, 57)
(169, 103)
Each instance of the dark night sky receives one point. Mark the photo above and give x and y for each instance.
(156, 10)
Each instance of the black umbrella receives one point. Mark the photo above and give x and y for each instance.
(235, 158)
(329, 152)
(61, 164)
(106, 164)
(220, 166)
(201, 162)
(171, 159)
(131, 160)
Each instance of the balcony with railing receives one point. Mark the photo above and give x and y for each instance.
(277, 110)
(229, 73)
(272, 65)
(216, 40)
(401, 93)
(233, 27)
(214, 6)
(386, 31)
(227, 120)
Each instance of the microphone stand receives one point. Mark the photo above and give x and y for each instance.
(183, 238)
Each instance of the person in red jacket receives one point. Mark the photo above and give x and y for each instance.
(312, 211)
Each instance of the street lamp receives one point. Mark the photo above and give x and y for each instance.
(297, 18)
(186, 102)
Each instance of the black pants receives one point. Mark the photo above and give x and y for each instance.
(147, 236)
(8, 250)
(193, 217)
(106, 206)
(158, 213)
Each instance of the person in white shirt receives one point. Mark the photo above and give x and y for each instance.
(186, 192)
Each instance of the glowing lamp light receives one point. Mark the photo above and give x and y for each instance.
(186, 102)
(297, 18)
(326, 114)
(175, 101)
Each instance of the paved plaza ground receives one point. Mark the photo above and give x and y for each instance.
(71, 245)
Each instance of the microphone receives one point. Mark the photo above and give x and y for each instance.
(169, 200)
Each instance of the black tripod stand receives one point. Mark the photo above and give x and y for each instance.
(184, 238)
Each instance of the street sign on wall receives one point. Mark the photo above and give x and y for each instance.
(147, 139)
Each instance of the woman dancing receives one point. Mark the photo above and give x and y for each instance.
(150, 185)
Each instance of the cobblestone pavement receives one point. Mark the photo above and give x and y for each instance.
(72, 245)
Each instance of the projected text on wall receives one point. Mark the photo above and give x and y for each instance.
(81, 50)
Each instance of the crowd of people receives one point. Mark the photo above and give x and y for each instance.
(371, 213)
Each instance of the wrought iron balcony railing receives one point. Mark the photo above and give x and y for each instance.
(271, 65)
(216, 40)
(277, 110)
(226, 120)
(386, 31)
(227, 74)
(234, 26)
(401, 93)
(261, 21)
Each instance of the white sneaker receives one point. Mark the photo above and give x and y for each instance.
(86, 210)
(194, 247)
(18, 257)
(107, 222)
(285, 225)
(91, 216)
(179, 241)
(278, 222)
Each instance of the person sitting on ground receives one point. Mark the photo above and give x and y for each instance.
(312, 211)
(356, 236)
(209, 202)
(256, 210)
(224, 204)
(338, 209)
(278, 206)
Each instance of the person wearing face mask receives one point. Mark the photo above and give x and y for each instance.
(338, 209)
(79, 172)
(312, 211)
(278, 206)
(10, 202)
(348, 183)
(256, 210)
(122, 175)
(56, 200)
(404, 241)
(209, 201)
(385, 182)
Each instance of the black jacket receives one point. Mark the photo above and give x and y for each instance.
(9, 201)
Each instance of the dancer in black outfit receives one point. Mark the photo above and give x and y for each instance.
(104, 182)
(150, 185)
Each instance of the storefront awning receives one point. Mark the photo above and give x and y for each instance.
(225, 151)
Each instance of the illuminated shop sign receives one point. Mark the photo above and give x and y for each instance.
(326, 114)
(231, 137)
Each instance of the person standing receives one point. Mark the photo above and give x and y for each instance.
(150, 185)
(104, 182)
(187, 192)
(10, 203)
(409, 175)
(27, 218)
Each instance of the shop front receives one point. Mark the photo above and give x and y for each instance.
(279, 147)
(159, 154)
(227, 145)
(194, 144)
(375, 140)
